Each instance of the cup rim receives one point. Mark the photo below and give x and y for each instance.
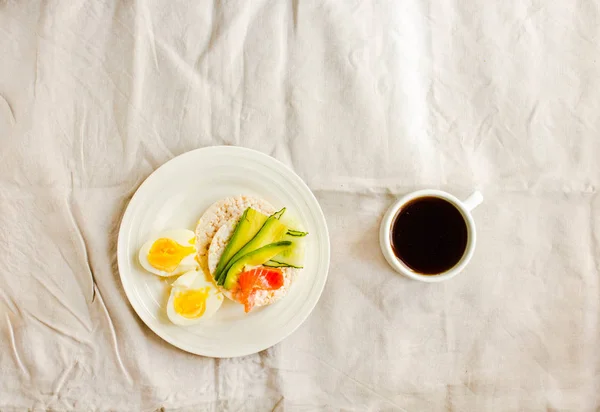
(397, 264)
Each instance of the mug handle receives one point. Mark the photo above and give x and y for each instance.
(473, 201)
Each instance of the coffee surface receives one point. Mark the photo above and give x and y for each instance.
(429, 235)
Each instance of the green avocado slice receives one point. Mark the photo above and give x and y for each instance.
(246, 228)
(272, 231)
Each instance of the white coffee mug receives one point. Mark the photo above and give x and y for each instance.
(464, 207)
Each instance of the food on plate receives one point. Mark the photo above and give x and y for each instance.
(218, 214)
(253, 256)
(170, 253)
(291, 257)
(193, 298)
(249, 225)
(242, 248)
(271, 231)
(250, 260)
(262, 278)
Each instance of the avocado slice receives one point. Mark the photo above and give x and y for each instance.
(246, 228)
(254, 258)
(272, 231)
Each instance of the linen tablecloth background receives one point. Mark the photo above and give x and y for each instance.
(366, 101)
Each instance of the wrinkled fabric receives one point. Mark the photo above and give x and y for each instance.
(366, 101)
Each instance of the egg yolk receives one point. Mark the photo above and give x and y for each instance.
(191, 304)
(166, 254)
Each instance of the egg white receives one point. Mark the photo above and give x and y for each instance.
(181, 236)
(190, 281)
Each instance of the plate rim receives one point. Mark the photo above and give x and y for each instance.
(126, 222)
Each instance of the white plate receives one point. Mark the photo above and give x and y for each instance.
(175, 196)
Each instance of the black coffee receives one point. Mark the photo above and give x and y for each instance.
(429, 235)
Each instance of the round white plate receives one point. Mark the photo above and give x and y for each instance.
(175, 196)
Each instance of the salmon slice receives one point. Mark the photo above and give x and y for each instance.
(261, 278)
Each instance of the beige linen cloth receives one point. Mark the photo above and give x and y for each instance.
(365, 100)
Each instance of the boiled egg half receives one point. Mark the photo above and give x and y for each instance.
(193, 298)
(169, 253)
